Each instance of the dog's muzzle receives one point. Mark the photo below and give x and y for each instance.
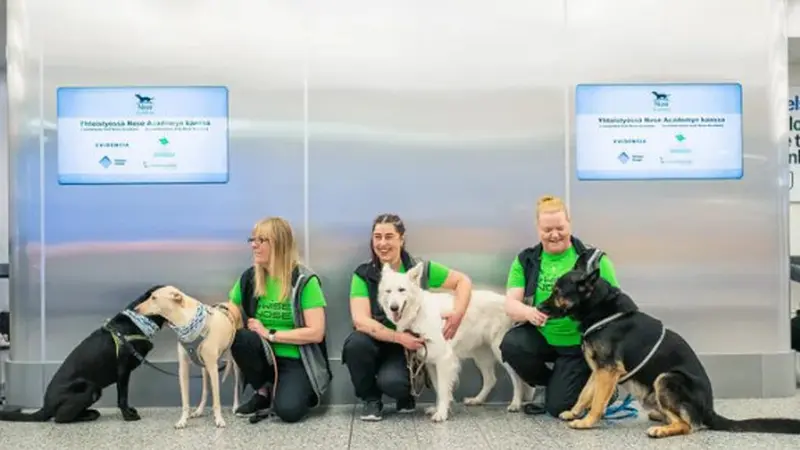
(397, 312)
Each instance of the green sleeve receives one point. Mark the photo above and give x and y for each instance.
(607, 271)
(516, 276)
(358, 287)
(437, 274)
(235, 294)
(312, 296)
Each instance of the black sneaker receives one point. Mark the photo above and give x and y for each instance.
(405, 406)
(536, 406)
(533, 409)
(373, 411)
(256, 404)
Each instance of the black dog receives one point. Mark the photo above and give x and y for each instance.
(623, 345)
(101, 360)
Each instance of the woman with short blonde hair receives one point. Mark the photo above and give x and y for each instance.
(537, 340)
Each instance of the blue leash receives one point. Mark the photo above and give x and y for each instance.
(621, 411)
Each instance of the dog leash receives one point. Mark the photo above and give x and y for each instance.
(271, 357)
(624, 410)
(415, 361)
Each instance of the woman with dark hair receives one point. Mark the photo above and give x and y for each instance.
(374, 352)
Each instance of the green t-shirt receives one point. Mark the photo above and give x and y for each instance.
(278, 315)
(558, 332)
(437, 274)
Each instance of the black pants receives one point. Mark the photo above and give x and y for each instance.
(526, 351)
(376, 367)
(294, 395)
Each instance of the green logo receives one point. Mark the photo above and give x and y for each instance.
(680, 137)
(164, 141)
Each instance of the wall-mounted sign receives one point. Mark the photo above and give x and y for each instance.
(794, 144)
(658, 131)
(122, 135)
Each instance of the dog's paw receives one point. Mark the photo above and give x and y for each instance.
(472, 401)
(581, 424)
(439, 416)
(568, 415)
(197, 413)
(514, 407)
(219, 421)
(181, 423)
(430, 410)
(130, 415)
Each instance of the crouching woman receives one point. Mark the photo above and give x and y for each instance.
(281, 351)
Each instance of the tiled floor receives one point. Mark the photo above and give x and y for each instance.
(473, 428)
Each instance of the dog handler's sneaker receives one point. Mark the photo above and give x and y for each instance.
(405, 406)
(536, 406)
(256, 404)
(373, 411)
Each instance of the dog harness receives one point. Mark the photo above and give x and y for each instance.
(143, 323)
(612, 412)
(646, 359)
(194, 333)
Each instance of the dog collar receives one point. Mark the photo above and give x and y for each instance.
(191, 331)
(143, 323)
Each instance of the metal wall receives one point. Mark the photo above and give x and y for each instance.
(454, 114)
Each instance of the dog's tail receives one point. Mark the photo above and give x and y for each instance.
(18, 416)
(763, 425)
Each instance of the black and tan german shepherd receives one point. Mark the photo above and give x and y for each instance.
(623, 345)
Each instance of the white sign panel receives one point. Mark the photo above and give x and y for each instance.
(120, 135)
(794, 144)
(658, 131)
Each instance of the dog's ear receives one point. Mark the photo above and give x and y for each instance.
(386, 269)
(177, 297)
(415, 274)
(590, 279)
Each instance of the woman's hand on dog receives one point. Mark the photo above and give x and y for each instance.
(409, 341)
(537, 317)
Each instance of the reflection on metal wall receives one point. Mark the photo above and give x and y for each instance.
(453, 114)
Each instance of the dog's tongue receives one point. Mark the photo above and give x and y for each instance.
(396, 316)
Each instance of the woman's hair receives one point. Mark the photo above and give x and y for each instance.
(283, 256)
(550, 203)
(399, 226)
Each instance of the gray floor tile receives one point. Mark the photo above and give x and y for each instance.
(460, 431)
(474, 428)
(394, 432)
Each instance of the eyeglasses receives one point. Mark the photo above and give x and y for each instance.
(259, 240)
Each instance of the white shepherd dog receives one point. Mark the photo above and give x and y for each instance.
(478, 337)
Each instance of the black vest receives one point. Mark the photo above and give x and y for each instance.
(531, 259)
(370, 272)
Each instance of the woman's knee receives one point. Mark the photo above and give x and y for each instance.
(394, 383)
(291, 410)
(358, 346)
(245, 339)
(515, 346)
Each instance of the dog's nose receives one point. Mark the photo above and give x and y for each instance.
(394, 308)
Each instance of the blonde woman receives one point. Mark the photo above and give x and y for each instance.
(537, 341)
(284, 308)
